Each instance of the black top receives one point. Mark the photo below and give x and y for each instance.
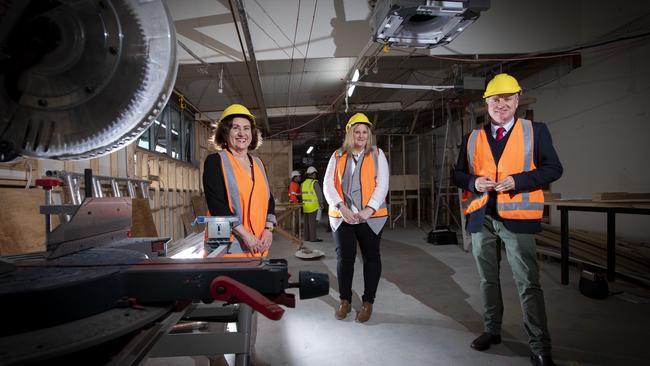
(216, 195)
(548, 169)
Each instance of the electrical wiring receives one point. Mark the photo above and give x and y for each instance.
(304, 62)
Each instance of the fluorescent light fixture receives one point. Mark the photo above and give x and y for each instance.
(356, 75)
(311, 148)
(351, 90)
(355, 78)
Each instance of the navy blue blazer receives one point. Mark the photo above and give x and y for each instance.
(548, 169)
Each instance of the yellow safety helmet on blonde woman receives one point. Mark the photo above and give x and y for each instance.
(358, 118)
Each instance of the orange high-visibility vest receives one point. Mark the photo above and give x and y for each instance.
(294, 191)
(517, 157)
(247, 198)
(368, 176)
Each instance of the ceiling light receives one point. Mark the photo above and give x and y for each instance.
(311, 148)
(350, 90)
(355, 77)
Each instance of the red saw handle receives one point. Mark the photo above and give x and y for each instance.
(224, 288)
(48, 183)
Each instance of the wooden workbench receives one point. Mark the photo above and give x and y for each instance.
(611, 209)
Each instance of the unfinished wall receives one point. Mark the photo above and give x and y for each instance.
(599, 117)
(173, 182)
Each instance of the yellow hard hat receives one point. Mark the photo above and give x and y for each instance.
(234, 109)
(502, 84)
(358, 118)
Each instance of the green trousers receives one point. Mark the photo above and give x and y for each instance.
(520, 251)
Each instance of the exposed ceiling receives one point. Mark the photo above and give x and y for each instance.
(306, 50)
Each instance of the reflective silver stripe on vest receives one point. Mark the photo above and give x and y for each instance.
(229, 174)
(375, 158)
(471, 145)
(528, 143)
(471, 199)
(269, 217)
(527, 128)
(514, 206)
(266, 180)
(525, 204)
(234, 247)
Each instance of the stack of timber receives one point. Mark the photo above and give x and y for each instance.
(631, 258)
(621, 197)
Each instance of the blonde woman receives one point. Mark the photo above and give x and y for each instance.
(356, 184)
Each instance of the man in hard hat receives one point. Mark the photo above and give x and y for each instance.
(312, 201)
(502, 168)
(294, 187)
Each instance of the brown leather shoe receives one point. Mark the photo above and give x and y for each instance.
(364, 314)
(344, 309)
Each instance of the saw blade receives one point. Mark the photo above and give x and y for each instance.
(81, 79)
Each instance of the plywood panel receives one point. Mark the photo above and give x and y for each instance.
(22, 227)
(142, 219)
(404, 182)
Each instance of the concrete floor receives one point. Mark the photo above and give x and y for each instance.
(428, 311)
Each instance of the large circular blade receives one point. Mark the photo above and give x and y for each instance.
(79, 79)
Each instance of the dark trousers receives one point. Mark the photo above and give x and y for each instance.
(310, 226)
(521, 254)
(346, 238)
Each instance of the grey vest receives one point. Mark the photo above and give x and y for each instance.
(351, 187)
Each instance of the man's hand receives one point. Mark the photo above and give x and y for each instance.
(485, 184)
(348, 215)
(365, 214)
(506, 184)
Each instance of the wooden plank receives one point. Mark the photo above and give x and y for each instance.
(114, 164)
(621, 197)
(590, 203)
(68, 166)
(130, 160)
(199, 206)
(142, 220)
(94, 165)
(552, 196)
(187, 219)
(595, 253)
(22, 227)
(140, 162)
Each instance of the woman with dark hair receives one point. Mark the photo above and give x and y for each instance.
(356, 184)
(236, 184)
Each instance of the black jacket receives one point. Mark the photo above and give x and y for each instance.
(549, 169)
(214, 186)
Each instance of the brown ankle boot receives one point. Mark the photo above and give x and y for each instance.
(343, 310)
(364, 314)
